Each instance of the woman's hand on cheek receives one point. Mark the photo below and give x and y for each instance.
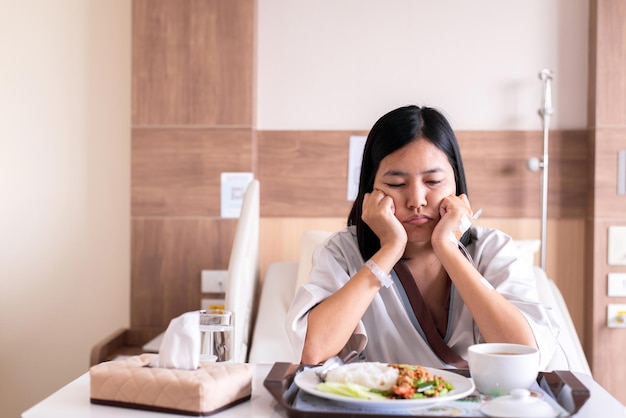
(454, 211)
(379, 215)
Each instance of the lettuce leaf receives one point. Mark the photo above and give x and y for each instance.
(352, 390)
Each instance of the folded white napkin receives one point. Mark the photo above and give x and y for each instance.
(180, 348)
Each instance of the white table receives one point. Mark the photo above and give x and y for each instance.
(72, 401)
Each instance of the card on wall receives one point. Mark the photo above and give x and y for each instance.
(233, 187)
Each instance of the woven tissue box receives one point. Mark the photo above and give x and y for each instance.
(132, 383)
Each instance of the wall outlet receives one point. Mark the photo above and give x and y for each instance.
(214, 281)
(616, 315)
(616, 285)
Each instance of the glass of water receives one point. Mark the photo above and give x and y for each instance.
(216, 335)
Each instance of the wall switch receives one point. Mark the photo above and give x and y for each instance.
(617, 246)
(214, 281)
(616, 315)
(617, 284)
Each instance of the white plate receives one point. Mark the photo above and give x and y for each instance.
(307, 381)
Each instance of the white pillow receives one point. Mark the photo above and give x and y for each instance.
(308, 242)
(528, 248)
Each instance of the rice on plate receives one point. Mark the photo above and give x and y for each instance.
(371, 375)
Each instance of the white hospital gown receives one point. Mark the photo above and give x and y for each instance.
(390, 331)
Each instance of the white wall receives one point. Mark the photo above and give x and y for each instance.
(341, 64)
(64, 189)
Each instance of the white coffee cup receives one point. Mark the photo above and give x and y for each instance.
(499, 368)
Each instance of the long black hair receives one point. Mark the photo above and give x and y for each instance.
(391, 132)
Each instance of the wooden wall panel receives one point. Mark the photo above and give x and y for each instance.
(192, 119)
(565, 264)
(610, 75)
(176, 172)
(500, 182)
(167, 258)
(304, 173)
(193, 62)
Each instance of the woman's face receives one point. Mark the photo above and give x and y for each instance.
(417, 177)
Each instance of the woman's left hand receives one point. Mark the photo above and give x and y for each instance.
(453, 209)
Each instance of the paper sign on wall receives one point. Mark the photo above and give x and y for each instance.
(233, 186)
(357, 144)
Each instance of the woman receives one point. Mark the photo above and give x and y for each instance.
(409, 271)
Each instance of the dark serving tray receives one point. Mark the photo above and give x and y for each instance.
(561, 385)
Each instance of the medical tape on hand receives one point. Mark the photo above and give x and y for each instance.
(464, 225)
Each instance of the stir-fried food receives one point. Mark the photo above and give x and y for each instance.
(417, 382)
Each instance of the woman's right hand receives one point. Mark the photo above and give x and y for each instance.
(379, 214)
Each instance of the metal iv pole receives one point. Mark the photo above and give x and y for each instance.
(534, 164)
